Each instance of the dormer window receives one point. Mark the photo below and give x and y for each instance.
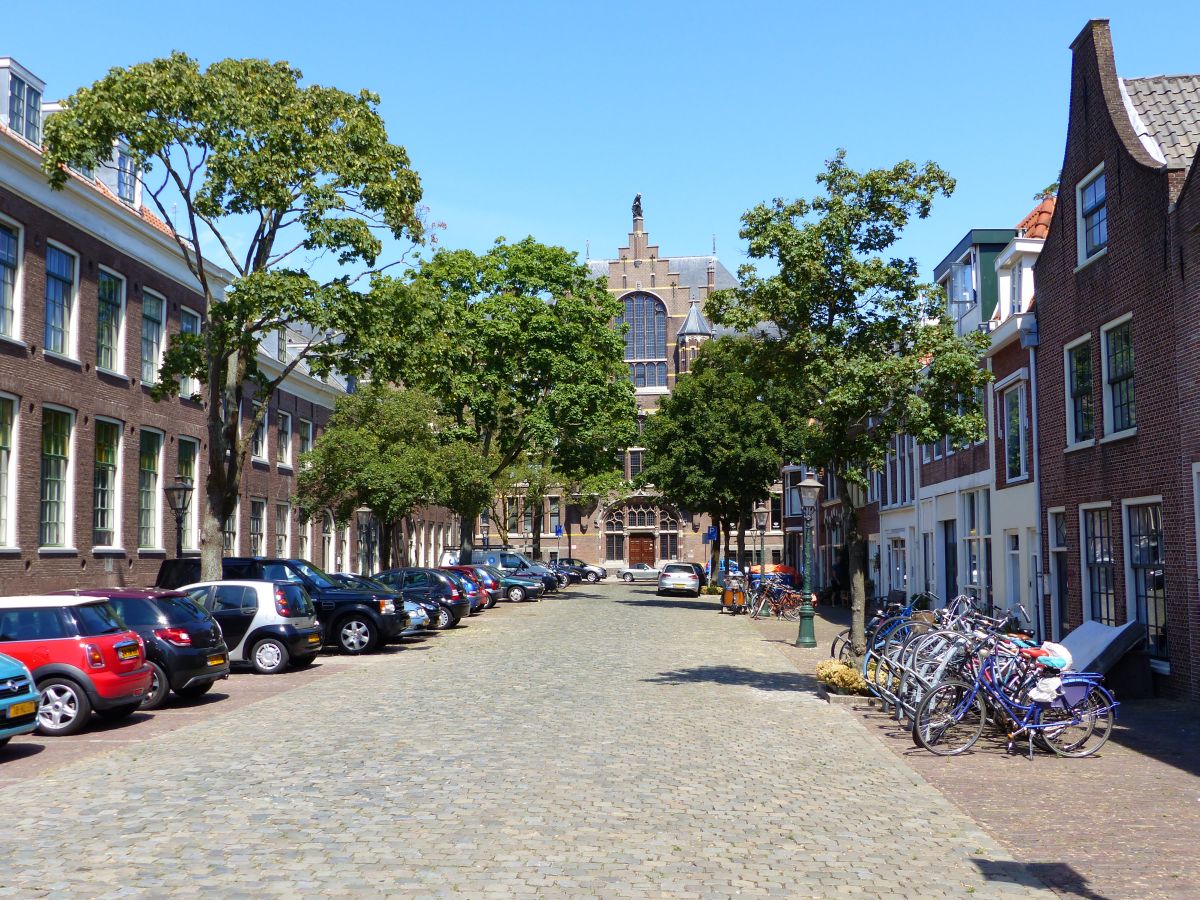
(960, 289)
(1092, 215)
(126, 177)
(24, 109)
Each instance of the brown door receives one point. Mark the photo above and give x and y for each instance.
(641, 549)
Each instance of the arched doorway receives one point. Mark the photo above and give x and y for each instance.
(641, 531)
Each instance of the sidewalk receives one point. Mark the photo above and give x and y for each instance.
(1123, 824)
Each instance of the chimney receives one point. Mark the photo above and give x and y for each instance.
(712, 273)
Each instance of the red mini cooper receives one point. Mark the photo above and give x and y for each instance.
(82, 657)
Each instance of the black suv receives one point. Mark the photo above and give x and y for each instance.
(357, 621)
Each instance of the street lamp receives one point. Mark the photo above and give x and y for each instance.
(363, 515)
(810, 489)
(760, 514)
(179, 497)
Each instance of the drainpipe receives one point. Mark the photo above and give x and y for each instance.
(1030, 339)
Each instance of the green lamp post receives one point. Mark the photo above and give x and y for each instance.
(810, 489)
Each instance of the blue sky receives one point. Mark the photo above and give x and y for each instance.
(546, 118)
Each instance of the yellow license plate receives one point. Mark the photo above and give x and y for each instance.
(216, 659)
(314, 638)
(127, 653)
(22, 709)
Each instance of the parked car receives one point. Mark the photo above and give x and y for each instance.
(591, 574)
(472, 574)
(185, 649)
(267, 624)
(81, 656)
(676, 577)
(639, 572)
(565, 574)
(516, 588)
(418, 583)
(701, 573)
(513, 563)
(355, 620)
(420, 614)
(18, 699)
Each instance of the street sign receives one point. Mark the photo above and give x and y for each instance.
(558, 531)
(712, 533)
(706, 539)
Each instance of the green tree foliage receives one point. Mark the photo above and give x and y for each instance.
(714, 444)
(853, 348)
(517, 346)
(243, 148)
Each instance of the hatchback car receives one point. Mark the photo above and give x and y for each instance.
(639, 572)
(18, 699)
(679, 577)
(81, 656)
(591, 574)
(516, 588)
(185, 649)
(470, 587)
(421, 584)
(268, 624)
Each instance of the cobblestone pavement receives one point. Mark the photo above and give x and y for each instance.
(589, 745)
(1147, 779)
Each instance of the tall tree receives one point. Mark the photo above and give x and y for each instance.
(518, 347)
(853, 347)
(243, 148)
(714, 445)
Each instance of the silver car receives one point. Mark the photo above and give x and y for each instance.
(640, 572)
(679, 577)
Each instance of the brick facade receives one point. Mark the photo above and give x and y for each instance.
(1139, 273)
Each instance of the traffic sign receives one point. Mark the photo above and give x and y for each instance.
(712, 533)
(558, 531)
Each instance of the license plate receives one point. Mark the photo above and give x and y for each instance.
(313, 638)
(128, 652)
(22, 709)
(216, 659)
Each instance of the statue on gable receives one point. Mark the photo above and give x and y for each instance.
(637, 206)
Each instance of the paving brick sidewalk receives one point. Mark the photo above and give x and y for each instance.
(1123, 824)
(593, 745)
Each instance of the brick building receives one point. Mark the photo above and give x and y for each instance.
(1117, 295)
(92, 285)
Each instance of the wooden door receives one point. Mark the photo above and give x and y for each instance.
(641, 549)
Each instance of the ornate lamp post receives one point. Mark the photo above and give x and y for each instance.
(760, 514)
(179, 496)
(810, 489)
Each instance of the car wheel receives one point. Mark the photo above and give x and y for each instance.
(63, 708)
(160, 687)
(444, 619)
(627, 578)
(196, 690)
(269, 656)
(356, 635)
(516, 593)
(119, 713)
(591, 577)
(5, 740)
(492, 601)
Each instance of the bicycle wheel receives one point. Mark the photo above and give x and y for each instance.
(949, 719)
(842, 639)
(791, 612)
(1081, 729)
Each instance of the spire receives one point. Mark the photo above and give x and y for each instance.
(695, 324)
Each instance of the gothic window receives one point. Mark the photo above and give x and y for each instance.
(646, 337)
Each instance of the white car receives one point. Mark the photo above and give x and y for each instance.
(268, 624)
(679, 577)
(640, 572)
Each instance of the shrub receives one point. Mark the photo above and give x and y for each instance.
(841, 677)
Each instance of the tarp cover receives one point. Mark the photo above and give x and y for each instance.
(1097, 648)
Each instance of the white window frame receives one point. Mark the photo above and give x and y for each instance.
(162, 335)
(287, 528)
(191, 532)
(9, 541)
(189, 386)
(119, 349)
(68, 547)
(118, 486)
(18, 298)
(259, 440)
(236, 515)
(1080, 227)
(1109, 434)
(1161, 666)
(283, 454)
(262, 534)
(1020, 389)
(158, 494)
(304, 533)
(1072, 442)
(306, 428)
(1085, 586)
(71, 352)
(1052, 569)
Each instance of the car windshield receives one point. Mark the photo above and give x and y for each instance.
(313, 574)
(96, 619)
(687, 570)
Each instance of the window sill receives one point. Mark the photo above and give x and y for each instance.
(15, 342)
(63, 358)
(1119, 435)
(107, 550)
(284, 467)
(1100, 254)
(1019, 479)
(1082, 445)
(10, 551)
(57, 551)
(152, 551)
(109, 373)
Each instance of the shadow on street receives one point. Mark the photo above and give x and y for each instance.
(1059, 877)
(738, 676)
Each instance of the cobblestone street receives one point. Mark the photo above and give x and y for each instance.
(604, 743)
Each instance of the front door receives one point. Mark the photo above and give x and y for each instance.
(641, 549)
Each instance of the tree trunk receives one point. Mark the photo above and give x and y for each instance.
(538, 517)
(857, 564)
(466, 538)
(741, 542)
(385, 544)
(211, 544)
(726, 527)
(714, 554)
